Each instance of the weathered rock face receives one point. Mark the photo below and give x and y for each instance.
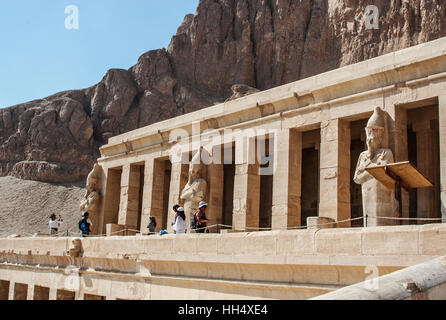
(241, 90)
(255, 43)
(47, 140)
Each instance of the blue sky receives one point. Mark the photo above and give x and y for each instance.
(39, 56)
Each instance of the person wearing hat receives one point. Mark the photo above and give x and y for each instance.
(200, 218)
(54, 224)
(179, 225)
(175, 207)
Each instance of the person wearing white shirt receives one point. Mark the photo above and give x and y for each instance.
(54, 224)
(180, 221)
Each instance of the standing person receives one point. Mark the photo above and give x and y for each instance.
(152, 226)
(85, 224)
(180, 221)
(54, 224)
(175, 207)
(200, 217)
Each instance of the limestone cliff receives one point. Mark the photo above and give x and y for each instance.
(256, 43)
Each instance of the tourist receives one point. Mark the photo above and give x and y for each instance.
(152, 226)
(85, 224)
(179, 225)
(175, 207)
(55, 224)
(200, 218)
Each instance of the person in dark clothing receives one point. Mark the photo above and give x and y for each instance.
(85, 224)
(152, 225)
(200, 218)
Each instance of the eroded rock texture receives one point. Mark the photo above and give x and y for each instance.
(251, 43)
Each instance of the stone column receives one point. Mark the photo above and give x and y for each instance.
(442, 128)
(53, 293)
(178, 181)
(287, 180)
(152, 205)
(335, 171)
(398, 143)
(246, 188)
(128, 208)
(426, 199)
(214, 213)
(11, 291)
(30, 293)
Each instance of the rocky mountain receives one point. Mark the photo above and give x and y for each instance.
(254, 43)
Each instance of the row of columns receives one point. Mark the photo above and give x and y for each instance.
(21, 291)
(429, 136)
(286, 199)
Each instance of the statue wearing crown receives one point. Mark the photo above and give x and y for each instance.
(196, 187)
(378, 201)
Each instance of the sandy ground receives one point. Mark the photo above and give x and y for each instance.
(25, 206)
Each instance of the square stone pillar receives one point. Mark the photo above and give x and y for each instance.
(214, 213)
(335, 171)
(130, 185)
(427, 163)
(53, 294)
(30, 293)
(153, 194)
(398, 143)
(178, 180)
(287, 180)
(246, 206)
(11, 291)
(442, 129)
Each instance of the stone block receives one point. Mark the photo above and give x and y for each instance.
(320, 223)
(260, 244)
(6, 245)
(390, 240)
(296, 242)
(329, 154)
(207, 244)
(433, 239)
(338, 241)
(113, 247)
(279, 222)
(232, 244)
(185, 244)
(159, 245)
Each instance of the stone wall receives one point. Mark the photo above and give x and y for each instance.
(296, 264)
(426, 281)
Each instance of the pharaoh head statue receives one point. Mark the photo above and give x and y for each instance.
(375, 130)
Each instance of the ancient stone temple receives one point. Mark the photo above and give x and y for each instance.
(292, 160)
(312, 132)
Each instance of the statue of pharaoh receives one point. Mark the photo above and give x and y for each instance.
(377, 200)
